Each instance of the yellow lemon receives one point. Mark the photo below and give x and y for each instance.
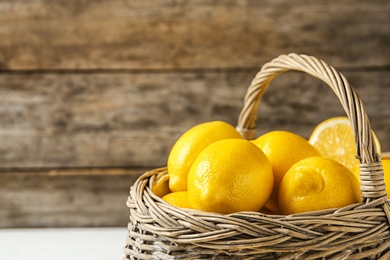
(189, 145)
(334, 138)
(228, 176)
(161, 187)
(317, 183)
(283, 149)
(386, 170)
(178, 199)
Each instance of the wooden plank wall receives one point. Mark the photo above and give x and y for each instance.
(93, 93)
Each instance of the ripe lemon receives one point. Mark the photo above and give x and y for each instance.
(178, 199)
(189, 145)
(283, 149)
(317, 183)
(334, 138)
(228, 176)
(386, 170)
(161, 187)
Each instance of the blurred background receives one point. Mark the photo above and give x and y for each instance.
(95, 93)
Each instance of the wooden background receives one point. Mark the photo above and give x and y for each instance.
(94, 93)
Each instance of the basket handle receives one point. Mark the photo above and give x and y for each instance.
(371, 170)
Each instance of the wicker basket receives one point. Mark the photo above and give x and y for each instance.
(158, 230)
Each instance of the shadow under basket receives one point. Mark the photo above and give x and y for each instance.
(157, 230)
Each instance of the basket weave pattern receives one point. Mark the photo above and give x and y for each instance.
(157, 230)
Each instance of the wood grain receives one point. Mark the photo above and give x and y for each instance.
(189, 34)
(92, 93)
(130, 120)
(65, 198)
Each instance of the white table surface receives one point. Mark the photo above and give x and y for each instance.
(62, 243)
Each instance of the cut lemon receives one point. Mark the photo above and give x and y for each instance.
(334, 138)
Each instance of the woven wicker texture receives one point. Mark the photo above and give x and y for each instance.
(158, 230)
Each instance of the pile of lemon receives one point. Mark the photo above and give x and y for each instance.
(212, 168)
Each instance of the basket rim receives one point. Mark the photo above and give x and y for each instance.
(163, 227)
